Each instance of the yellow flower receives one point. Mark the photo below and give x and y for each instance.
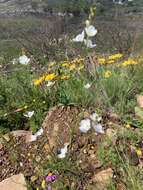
(129, 62)
(107, 74)
(101, 60)
(111, 61)
(72, 67)
(37, 188)
(80, 68)
(139, 152)
(50, 76)
(65, 65)
(77, 61)
(128, 126)
(37, 82)
(65, 77)
(43, 184)
(115, 56)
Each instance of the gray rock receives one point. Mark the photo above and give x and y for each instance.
(16, 182)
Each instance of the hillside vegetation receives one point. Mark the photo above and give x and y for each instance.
(71, 95)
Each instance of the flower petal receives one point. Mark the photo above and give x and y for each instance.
(87, 86)
(85, 125)
(29, 114)
(98, 128)
(63, 151)
(24, 60)
(79, 37)
(90, 31)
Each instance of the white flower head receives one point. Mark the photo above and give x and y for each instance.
(50, 83)
(29, 114)
(87, 86)
(63, 151)
(79, 37)
(89, 43)
(85, 125)
(24, 60)
(95, 117)
(39, 132)
(90, 31)
(98, 128)
(33, 138)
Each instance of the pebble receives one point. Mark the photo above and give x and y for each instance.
(85, 151)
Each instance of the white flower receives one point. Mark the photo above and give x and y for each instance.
(98, 128)
(63, 151)
(24, 60)
(90, 31)
(50, 83)
(39, 133)
(87, 86)
(33, 138)
(85, 125)
(29, 114)
(95, 117)
(89, 43)
(79, 37)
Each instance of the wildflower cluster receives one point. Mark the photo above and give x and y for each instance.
(118, 59)
(60, 71)
(47, 182)
(88, 32)
(130, 61)
(110, 59)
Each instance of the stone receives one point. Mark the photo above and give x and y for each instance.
(140, 101)
(103, 178)
(16, 182)
(58, 124)
(22, 133)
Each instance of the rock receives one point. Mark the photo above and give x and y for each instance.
(139, 112)
(16, 182)
(22, 133)
(59, 124)
(103, 178)
(140, 101)
(121, 186)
